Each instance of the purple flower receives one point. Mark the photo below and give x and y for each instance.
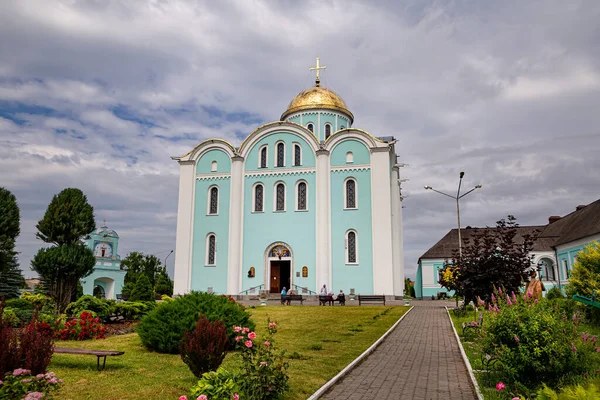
(585, 336)
(535, 301)
(21, 371)
(493, 298)
(508, 301)
(500, 291)
(573, 347)
(514, 298)
(594, 339)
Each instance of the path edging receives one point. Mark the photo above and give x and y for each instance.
(465, 359)
(357, 360)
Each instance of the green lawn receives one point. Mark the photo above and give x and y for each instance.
(326, 338)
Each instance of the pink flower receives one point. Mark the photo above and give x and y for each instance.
(500, 290)
(585, 336)
(493, 298)
(236, 396)
(252, 336)
(514, 298)
(516, 338)
(508, 301)
(183, 398)
(267, 343)
(202, 397)
(272, 325)
(529, 294)
(573, 347)
(263, 363)
(500, 386)
(594, 339)
(516, 398)
(238, 338)
(597, 349)
(535, 301)
(245, 330)
(237, 329)
(248, 343)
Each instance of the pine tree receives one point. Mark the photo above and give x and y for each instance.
(142, 291)
(164, 284)
(67, 221)
(10, 274)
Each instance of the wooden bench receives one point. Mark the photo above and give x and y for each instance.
(294, 297)
(371, 298)
(97, 353)
(473, 324)
(325, 299)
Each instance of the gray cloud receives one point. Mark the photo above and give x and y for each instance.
(103, 93)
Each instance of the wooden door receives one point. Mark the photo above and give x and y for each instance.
(275, 277)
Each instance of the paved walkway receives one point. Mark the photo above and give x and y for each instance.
(419, 360)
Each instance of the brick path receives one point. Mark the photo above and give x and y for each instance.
(419, 360)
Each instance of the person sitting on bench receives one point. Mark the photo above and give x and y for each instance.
(341, 298)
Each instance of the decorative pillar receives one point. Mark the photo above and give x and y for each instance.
(234, 269)
(397, 239)
(185, 222)
(323, 267)
(383, 277)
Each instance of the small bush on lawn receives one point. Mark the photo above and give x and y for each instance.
(577, 392)
(163, 328)
(22, 384)
(83, 328)
(132, 310)
(554, 293)
(23, 309)
(534, 341)
(204, 348)
(90, 303)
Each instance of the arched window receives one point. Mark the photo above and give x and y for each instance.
(351, 247)
(213, 166)
(301, 196)
(310, 127)
(99, 292)
(259, 198)
(263, 157)
(280, 197)
(349, 157)
(297, 155)
(280, 154)
(213, 207)
(211, 249)
(350, 193)
(327, 130)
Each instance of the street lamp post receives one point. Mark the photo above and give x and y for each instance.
(457, 198)
(167, 257)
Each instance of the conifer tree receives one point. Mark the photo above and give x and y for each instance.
(164, 284)
(68, 220)
(142, 290)
(10, 274)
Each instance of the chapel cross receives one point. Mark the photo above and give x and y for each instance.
(317, 68)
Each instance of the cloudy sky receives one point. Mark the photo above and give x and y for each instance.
(99, 94)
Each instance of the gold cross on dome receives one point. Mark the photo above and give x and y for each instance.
(317, 68)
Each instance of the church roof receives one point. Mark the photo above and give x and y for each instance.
(104, 231)
(317, 97)
(581, 223)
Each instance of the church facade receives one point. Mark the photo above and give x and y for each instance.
(107, 279)
(302, 202)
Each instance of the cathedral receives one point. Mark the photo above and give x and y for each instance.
(302, 202)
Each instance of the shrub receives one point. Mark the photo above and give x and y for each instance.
(23, 309)
(163, 328)
(10, 317)
(554, 293)
(577, 392)
(89, 303)
(36, 347)
(532, 342)
(204, 348)
(39, 301)
(217, 385)
(23, 384)
(85, 328)
(132, 310)
(142, 290)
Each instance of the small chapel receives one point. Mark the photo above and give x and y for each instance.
(305, 201)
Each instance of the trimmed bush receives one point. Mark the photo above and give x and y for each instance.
(163, 328)
(204, 348)
(100, 307)
(132, 310)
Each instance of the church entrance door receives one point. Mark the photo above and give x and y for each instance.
(280, 276)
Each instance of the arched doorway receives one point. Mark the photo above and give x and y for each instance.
(278, 267)
(106, 285)
(547, 270)
(99, 292)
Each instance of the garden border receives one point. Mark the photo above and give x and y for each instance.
(465, 358)
(356, 361)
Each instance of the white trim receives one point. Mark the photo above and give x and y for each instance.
(347, 250)
(236, 206)
(218, 175)
(276, 159)
(267, 261)
(208, 194)
(319, 125)
(296, 195)
(275, 196)
(355, 193)
(206, 264)
(294, 144)
(260, 149)
(313, 125)
(185, 223)
(254, 210)
(281, 171)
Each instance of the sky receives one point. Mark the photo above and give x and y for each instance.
(100, 94)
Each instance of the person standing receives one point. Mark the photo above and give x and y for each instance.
(283, 293)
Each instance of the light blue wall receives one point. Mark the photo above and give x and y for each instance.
(204, 164)
(109, 267)
(426, 293)
(569, 254)
(296, 228)
(359, 277)
(343, 121)
(419, 282)
(295, 119)
(360, 152)
(203, 276)
(308, 157)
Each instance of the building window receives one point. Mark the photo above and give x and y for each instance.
(305, 272)
(280, 197)
(351, 247)
(258, 198)
(297, 155)
(327, 130)
(350, 194)
(566, 268)
(214, 200)
(211, 249)
(311, 127)
(349, 157)
(263, 157)
(301, 196)
(213, 166)
(251, 272)
(280, 154)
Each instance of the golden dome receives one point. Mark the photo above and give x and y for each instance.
(317, 97)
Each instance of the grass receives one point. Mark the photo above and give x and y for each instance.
(320, 342)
